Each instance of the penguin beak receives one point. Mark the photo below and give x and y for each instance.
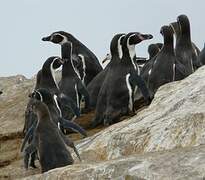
(48, 38)
(145, 36)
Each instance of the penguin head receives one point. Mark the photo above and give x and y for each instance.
(153, 49)
(59, 37)
(134, 38)
(184, 24)
(116, 45)
(42, 95)
(167, 33)
(53, 62)
(1, 92)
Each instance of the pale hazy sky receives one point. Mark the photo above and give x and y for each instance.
(93, 22)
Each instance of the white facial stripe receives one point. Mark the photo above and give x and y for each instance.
(129, 91)
(41, 97)
(77, 97)
(65, 39)
(53, 72)
(174, 65)
(76, 71)
(119, 47)
(57, 105)
(84, 67)
(132, 54)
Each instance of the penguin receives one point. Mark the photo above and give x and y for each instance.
(54, 108)
(195, 50)
(115, 102)
(95, 85)
(201, 57)
(71, 84)
(90, 63)
(184, 47)
(165, 67)
(48, 141)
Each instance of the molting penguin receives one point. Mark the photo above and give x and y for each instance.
(95, 85)
(164, 66)
(91, 65)
(115, 102)
(184, 47)
(195, 50)
(47, 141)
(56, 115)
(71, 84)
(201, 57)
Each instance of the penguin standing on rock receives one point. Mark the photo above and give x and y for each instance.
(185, 51)
(163, 70)
(95, 85)
(48, 141)
(71, 84)
(90, 64)
(115, 102)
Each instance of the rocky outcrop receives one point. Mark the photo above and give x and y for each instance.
(187, 164)
(163, 141)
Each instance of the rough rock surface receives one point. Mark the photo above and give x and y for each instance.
(163, 141)
(187, 164)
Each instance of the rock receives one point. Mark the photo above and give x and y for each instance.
(175, 118)
(13, 103)
(163, 141)
(185, 163)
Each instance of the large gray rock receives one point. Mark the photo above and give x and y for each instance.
(13, 103)
(175, 118)
(163, 141)
(187, 164)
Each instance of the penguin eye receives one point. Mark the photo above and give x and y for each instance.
(57, 38)
(56, 64)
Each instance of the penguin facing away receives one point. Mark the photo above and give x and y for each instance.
(114, 102)
(47, 141)
(184, 47)
(95, 85)
(195, 50)
(71, 84)
(90, 63)
(163, 70)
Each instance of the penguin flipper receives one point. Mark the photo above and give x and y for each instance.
(84, 92)
(63, 99)
(73, 126)
(137, 80)
(28, 135)
(70, 143)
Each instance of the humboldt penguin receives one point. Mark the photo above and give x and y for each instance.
(48, 141)
(164, 67)
(185, 51)
(91, 65)
(71, 84)
(115, 102)
(95, 85)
